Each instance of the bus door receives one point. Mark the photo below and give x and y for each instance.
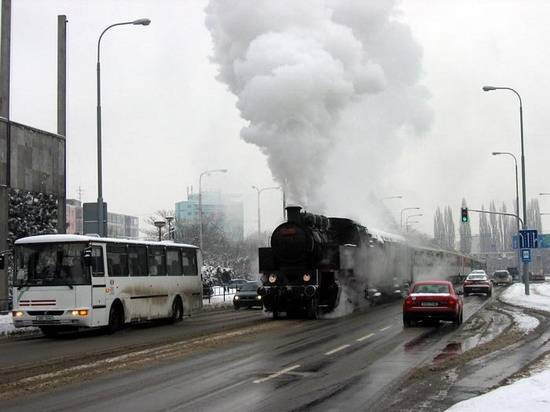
(99, 287)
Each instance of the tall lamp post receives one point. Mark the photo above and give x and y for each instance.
(407, 220)
(169, 220)
(491, 88)
(139, 22)
(259, 215)
(205, 173)
(403, 210)
(160, 224)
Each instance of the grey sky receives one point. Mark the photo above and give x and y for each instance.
(166, 118)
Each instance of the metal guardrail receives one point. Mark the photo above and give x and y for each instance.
(216, 291)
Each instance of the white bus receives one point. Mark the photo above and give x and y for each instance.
(66, 282)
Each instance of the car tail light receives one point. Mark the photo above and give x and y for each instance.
(408, 301)
(467, 282)
(451, 302)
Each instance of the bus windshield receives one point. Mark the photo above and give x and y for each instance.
(51, 264)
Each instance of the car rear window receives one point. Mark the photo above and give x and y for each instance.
(477, 277)
(433, 288)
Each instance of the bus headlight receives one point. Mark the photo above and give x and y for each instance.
(80, 312)
(272, 278)
(259, 297)
(307, 277)
(17, 313)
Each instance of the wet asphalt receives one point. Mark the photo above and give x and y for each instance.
(349, 363)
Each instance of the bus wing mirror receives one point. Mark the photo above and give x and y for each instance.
(87, 255)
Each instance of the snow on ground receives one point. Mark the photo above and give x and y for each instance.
(525, 323)
(7, 328)
(529, 394)
(539, 297)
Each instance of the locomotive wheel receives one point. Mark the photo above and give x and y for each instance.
(313, 309)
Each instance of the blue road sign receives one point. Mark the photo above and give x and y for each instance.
(526, 255)
(544, 241)
(528, 239)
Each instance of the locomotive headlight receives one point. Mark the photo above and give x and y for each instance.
(307, 277)
(272, 278)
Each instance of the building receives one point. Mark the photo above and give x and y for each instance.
(225, 209)
(75, 221)
(118, 225)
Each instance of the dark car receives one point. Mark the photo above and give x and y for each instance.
(433, 300)
(247, 296)
(477, 283)
(236, 283)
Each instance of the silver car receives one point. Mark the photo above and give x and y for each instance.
(502, 277)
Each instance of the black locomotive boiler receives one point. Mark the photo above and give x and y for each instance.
(310, 257)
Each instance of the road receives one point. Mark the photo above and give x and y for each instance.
(223, 361)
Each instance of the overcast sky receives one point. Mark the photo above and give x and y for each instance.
(166, 117)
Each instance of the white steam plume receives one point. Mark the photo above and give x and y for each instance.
(322, 84)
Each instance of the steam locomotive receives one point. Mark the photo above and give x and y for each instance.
(317, 263)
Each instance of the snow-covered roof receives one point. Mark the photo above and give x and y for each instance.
(85, 238)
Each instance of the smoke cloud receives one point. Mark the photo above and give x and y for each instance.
(329, 90)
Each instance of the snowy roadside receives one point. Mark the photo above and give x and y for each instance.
(528, 394)
(539, 298)
(7, 328)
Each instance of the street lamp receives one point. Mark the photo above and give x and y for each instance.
(404, 209)
(142, 22)
(517, 192)
(491, 88)
(160, 224)
(169, 220)
(259, 216)
(205, 173)
(414, 221)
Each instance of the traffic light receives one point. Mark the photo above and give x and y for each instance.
(464, 213)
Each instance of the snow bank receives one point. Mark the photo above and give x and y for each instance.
(524, 322)
(538, 299)
(7, 328)
(529, 394)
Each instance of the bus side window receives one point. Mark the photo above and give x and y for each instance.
(97, 261)
(137, 260)
(157, 261)
(189, 258)
(117, 260)
(173, 262)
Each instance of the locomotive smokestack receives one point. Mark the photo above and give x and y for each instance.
(293, 213)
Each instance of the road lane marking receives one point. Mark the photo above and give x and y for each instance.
(338, 349)
(276, 374)
(365, 337)
(383, 329)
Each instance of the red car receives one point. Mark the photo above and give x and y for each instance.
(433, 300)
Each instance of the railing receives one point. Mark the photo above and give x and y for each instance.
(218, 293)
